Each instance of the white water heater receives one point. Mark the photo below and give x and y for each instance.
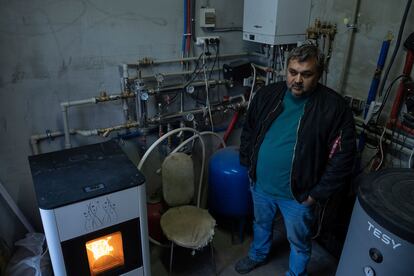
(380, 239)
(276, 22)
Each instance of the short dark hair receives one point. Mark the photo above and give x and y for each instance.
(306, 52)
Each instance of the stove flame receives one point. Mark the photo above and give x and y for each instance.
(100, 248)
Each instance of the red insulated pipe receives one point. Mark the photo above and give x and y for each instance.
(231, 126)
(399, 125)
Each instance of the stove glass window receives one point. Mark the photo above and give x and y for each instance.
(105, 253)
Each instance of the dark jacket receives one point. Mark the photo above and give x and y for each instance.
(325, 147)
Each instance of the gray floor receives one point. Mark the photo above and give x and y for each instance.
(226, 253)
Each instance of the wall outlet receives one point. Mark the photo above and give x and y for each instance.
(201, 40)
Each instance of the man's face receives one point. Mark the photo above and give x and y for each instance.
(302, 77)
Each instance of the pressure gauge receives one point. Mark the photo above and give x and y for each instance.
(144, 95)
(369, 271)
(189, 117)
(159, 78)
(190, 89)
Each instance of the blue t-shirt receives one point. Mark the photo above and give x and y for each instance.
(274, 162)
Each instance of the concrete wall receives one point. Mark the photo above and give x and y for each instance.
(375, 20)
(69, 50)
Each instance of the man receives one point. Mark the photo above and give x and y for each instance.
(298, 142)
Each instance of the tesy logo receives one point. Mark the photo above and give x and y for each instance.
(383, 237)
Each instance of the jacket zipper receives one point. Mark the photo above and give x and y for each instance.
(261, 132)
(294, 155)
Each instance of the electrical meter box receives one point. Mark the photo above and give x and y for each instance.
(276, 22)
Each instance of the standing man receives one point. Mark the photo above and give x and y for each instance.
(299, 144)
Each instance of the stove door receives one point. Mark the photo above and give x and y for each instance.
(114, 250)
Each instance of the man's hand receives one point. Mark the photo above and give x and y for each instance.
(309, 201)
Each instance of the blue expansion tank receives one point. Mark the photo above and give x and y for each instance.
(229, 187)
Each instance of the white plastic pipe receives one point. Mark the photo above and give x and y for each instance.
(64, 107)
(172, 74)
(352, 29)
(15, 209)
(34, 139)
(155, 62)
(396, 136)
(78, 102)
(88, 132)
(404, 149)
(66, 126)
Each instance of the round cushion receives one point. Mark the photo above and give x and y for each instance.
(188, 226)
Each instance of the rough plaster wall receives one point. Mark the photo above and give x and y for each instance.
(69, 50)
(376, 19)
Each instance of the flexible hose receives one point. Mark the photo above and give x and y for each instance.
(252, 89)
(231, 126)
(216, 135)
(397, 47)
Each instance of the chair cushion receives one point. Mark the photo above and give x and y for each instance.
(188, 226)
(178, 179)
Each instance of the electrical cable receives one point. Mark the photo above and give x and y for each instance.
(411, 158)
(207, 89)
(381, 150)
(387, 93)
(172, 100)
(214, 62)
(219, 71)
(401, 149)
(195, 97)
(397, 46)
(194, 74)
(223, 30)
(208, 98)
(252, 89)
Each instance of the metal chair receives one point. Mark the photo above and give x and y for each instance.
(176, 218)
(183, 224)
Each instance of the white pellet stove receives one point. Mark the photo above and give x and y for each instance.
(92, 203)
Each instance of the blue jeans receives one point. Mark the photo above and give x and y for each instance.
(299, 220)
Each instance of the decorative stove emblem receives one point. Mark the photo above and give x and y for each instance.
(98, 215)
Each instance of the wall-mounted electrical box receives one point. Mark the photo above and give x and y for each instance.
(276, 22)
(207, 17)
